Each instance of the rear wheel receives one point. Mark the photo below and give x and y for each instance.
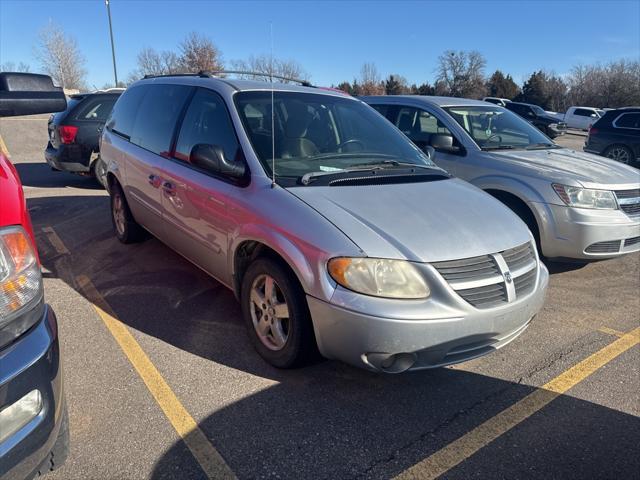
(276, 315)
(127, 229)
(99, 171)
(619, 153)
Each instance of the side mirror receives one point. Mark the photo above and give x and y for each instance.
(443, 143)
(211, 158)
(593, 115)
(29, 94)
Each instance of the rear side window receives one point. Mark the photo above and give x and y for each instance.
(382, 109)
(206, 121)
(628, 120)
(157, 115)
(96, 109)
(581, 112)
(124, 112)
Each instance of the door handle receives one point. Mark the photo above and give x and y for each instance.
(154, 181)
(169, 188)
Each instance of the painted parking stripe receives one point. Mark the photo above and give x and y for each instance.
(201, 448)
(55, 241)
(464, 447)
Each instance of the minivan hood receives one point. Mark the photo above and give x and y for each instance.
(591, 171)
(422, 222)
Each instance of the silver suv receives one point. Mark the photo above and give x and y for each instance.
(334, 231)
(578, 205)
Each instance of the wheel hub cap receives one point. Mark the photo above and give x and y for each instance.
(269, 312)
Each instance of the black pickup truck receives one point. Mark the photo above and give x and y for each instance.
(540, 119)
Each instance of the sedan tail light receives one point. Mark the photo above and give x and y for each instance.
(67, 133)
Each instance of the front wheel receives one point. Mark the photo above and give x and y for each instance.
(619, 153)
(276, 315)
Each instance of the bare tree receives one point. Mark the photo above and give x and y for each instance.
(12, 67)
(267, 65)
(461, 74)
(60, 57)
(152, 62)
(198, 53)
(613, 85)
(370, 81)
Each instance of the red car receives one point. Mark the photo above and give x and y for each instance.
(34, 437)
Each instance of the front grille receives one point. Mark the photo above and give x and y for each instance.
(632, 209)
(629, 201)
(524, 283)
(485, 297)
(631, 241)
(628, 193)
(611, 246)
(481, 281)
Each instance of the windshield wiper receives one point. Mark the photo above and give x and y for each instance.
(541, 145)
(499, 147)
(307, 178)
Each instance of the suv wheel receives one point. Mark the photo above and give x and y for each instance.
(276, 314)
(619, 153)
(127, 229)
(99, 171)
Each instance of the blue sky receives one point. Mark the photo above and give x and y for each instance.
(333, 39)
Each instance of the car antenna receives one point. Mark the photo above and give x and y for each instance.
(273, 125)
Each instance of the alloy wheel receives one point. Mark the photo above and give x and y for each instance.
(619, 154)
(269, 312)
(118, 213)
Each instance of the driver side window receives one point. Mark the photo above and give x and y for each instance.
(421, 126)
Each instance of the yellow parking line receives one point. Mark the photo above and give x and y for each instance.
(55, 240)
(611, 331)
(3, 148)
(459, 450)
(201, 448)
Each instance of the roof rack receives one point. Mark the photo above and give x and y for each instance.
(216, 73)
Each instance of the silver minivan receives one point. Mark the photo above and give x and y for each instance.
(333, 230)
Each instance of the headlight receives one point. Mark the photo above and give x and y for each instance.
(379, 277)
(20, 284)
(586, 198)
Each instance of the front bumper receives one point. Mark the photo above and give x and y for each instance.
(586, 234)
(427, 337)
(32, 362)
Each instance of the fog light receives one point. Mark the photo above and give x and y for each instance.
(17, 415)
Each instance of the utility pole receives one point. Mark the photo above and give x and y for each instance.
(113, 48)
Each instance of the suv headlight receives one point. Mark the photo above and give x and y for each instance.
(586, 198)
(20, 284)
(379, 277)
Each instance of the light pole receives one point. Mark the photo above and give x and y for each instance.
(113, 48)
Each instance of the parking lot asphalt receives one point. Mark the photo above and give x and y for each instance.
(162, 382)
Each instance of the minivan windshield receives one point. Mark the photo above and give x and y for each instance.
(321, 133)
(495, 128)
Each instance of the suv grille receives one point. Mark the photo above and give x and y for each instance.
(610, 246)
(492, 280)
(629, 201)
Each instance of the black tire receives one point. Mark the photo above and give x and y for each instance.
(99, 171)
(60, 450)
(300, 347)
(126, 228)
(618, 152)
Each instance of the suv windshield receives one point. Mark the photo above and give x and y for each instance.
(494, 128)
(321, 133)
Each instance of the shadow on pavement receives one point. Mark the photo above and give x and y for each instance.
(41, 175)
(316, 424)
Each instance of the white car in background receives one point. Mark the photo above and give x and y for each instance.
(581, 118)
(496, 100)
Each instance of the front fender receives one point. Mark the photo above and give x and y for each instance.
(308, 265)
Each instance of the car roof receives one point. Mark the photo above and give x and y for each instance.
(239, 85)
(428, 99)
